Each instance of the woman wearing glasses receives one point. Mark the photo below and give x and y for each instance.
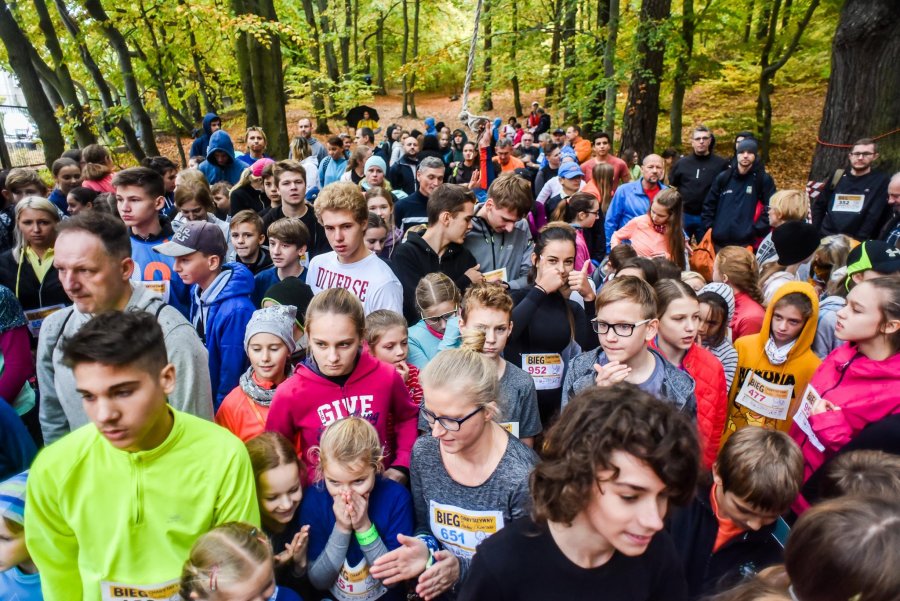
(437, 300)
(469, 478)
(550, 328)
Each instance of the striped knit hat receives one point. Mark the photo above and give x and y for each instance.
(12, 498)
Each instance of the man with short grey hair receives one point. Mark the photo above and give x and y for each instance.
(413, 210)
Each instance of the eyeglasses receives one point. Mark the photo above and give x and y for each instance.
(861, 155)
(597, 212)
(439, 318)
(451, 424)
(621, 329)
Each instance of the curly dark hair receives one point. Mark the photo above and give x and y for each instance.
(595, 424)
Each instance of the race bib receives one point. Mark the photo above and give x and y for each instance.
(36, 317)
(119, 591)
(511, 427)
(762, 397)
(848, 203)
(545, 368)
(356, 584)
(460, 531)
(801, 418)
(160, 287)
(497, 275)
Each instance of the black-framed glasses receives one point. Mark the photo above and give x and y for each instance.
(621, 329)
(597, 212)
(862, 154)
(451, 424)
(444, 317)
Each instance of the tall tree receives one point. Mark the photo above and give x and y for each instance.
(514, 81)
(39, 106)
(862, 90)
(417, 5)
(487, 100)
(331, 65)
(403, 58)
(642, 107)
(682, 67)
(344, 37)
(550, 90)
(609, 68)
(596, 86)
(316, 88)
(567, 40)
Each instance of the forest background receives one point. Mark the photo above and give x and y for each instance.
(792, 71)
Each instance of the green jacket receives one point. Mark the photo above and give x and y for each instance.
(98, 515)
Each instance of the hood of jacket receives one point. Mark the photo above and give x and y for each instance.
(220, 140)
(235, 280)
(831, 303)
(458, 132)
(807, 334)
(207, 123)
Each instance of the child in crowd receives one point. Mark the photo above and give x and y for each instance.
(728, 532)
(332, 166)
(658, 233)
(288, 241)
(626, 321)
(581, 211)
(785, 206)
(354, 513)
(67, 175)
(79, 199)
(857, 383)
(221, 196)
(194, 203)
(387, 337)
(469, 478)
(97, 172)
(269, 343)
(828, 274)
(376, 234)
(437, 298)
(232, 562)
(795, 242)
(19, 578)
(639, 267)
(381, 202)
(270, 186)
(775, 365)
(735, 266)
(177, 464)
(862, 473)
(571, 181)
(248, 192)
(694, 280)
(247, 237)
(220, 164)
(486, 322)
(616, 258)
(220, 300)
(716, 310)
(341, 209)
(612, 464)
(169, 172)
(338, 380)
(678, 311)
(278, 471)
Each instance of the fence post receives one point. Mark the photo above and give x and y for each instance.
(5, 161)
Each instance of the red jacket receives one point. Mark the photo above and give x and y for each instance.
(307, 402)
(711, 391)
(748, 316)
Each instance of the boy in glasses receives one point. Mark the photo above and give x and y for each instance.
(626, 322)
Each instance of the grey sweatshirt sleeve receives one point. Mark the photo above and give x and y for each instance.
(54, 424)
(325, 569)
(193, 391)
(374, 550)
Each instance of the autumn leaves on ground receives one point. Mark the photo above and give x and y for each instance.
(796, 115)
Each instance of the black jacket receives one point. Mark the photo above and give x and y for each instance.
(542, 126)
(860, 221)
(247, 197)
(730, 206)
(32, 294)
(402, 174)
(693, 176)
(694, 529)
(414, 259)
(318, 243)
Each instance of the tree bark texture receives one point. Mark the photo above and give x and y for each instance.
(487, 101)
(682, 68)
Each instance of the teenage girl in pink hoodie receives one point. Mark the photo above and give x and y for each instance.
(338, 380)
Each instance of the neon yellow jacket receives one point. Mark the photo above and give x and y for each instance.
(98, 515)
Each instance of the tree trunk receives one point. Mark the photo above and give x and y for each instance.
(38, 104)
(609, 69)
(132, 93)
(568, 44)
(487, 101)
(682, 68)
(593, 114)
(748, 24)
(242, 57)
(268, 82)
(762, 22)
(517, 99)
(331, 65)
(642, 107)
(379, 55)
(553, 63)
(356, 33)
(403, 57)
(344, 38)
(318, 99)
(415, 56)
(862, 90)
(786, 14)
(201, 77)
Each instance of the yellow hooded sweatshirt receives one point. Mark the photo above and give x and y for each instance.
(795, 372)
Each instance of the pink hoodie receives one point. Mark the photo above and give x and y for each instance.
(863, 389)
(307, 402)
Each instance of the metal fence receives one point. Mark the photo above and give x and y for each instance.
(21, 136)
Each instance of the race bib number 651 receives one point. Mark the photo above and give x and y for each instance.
(461, 530)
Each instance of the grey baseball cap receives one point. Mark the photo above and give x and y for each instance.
(195, 236)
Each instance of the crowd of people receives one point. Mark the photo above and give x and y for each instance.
(514, 366)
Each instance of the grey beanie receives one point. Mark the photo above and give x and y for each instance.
(277, 320)
(723, 290)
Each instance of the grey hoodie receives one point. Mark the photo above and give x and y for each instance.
(825, 340)
(61, 409)
(494, 251)
(677, 387)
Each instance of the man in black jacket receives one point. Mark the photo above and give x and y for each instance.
(737, 206)
(729, 531)
(856, 204)
(694, 174)
(891, 231)
(403, 173)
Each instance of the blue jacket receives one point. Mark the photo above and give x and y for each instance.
(233, 168)
(225, 308)
(198, 148)
(59, 199)
(628, 202)
(430, 129)
(330, 171)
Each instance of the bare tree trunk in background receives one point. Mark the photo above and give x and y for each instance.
(487, 101)
(748, 24)
(553, 63)
(682, 76)
(331, 64)
(415, 55)
(593, 116)
(318, 99)
(517, 99)
(344, 37)
(568, 44)
(381, 90)
(609, 69)
(403, 56)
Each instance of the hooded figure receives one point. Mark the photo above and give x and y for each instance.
(198, 148)
(430, 129)
(456, 150)
(792, 365)
(218, 170)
